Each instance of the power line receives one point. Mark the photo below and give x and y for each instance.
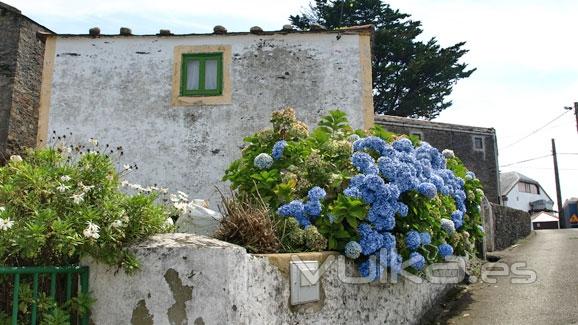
(534, 132)
(526, 160)
(540, 157)
(550, 168)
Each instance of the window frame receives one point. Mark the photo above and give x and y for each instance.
(202, 58)
(482, 145)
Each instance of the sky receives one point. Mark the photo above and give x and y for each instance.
(525, 52)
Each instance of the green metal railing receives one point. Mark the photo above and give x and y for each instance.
(53, 272)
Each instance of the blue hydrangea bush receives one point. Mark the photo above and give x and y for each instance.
(370, 193)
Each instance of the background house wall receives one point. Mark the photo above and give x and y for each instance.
(117, 89)
(21, 59)
(459, 138)
(521, 200)
(515, 198)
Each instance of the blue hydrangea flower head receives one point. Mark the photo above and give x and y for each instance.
(370, 240)
(313, 208)
(425, 238)
(445, 250)
(263, 161)
(470, 176)
(294, 209)
(357, 180)
(388, 241)
(448, 226)
(374, 183)
(316, 194)
(352, 192)
(458, 218)
(417, 261)
(403, 145)
(364, 163)
(278, 149)
(352, 250)
(412, 240)
(402, 209)
(428, 190)
(386, 223)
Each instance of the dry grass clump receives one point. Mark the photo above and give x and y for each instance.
(248, 222)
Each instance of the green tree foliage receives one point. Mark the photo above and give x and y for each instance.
(410, 77)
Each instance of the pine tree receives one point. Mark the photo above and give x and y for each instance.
(410, 77)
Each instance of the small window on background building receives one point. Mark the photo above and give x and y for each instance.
(528, 188)
(202, 74)
(478, 143)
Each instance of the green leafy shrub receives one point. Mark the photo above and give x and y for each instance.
(368, 193)
(55, 208)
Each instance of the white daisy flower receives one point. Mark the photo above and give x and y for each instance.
(91, 231)
(78, 198)
(6, 224)
(169, 222)
(93, 141)
(126, 167)
(181, 206)
(65, 178)
(117, 224)
(62, 188)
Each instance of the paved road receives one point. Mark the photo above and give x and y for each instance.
(552, 299)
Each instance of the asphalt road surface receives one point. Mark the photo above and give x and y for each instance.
(552, 299)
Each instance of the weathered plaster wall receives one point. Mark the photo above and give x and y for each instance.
(458, 138)
(118, 90)
(189, 279)
(510, 225)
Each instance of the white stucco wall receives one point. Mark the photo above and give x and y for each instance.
(190, 279)
(521, 200)
(118, 90)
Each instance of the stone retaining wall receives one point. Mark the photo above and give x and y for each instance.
(510, 225)
(190, 279)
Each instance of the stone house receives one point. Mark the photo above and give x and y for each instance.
(475, 146)
(180, 105)
(21, 58)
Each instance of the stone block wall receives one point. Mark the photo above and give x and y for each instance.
(510, 225)
(190, 279)
(21, 60)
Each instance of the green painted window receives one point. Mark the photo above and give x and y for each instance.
(202, 74)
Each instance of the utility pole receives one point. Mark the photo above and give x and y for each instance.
(558, 194)
(576, 113)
